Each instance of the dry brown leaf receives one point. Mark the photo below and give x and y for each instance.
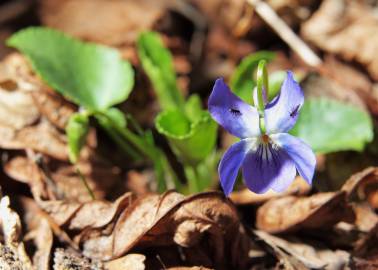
(235, 14)
(54, 107)
(21, 124)
(12, 254)
(137, 182)
(291, 213)
(130, 261)
(367, 250)
(152, 220)
(373, 199)
(118, 22)
(80, 216)
(100, 176)
(360, 185)
(42, 137)
(245, 196)
(296, 254)
(348, 28)
(16, 109)
(130, 227)
(366, 218)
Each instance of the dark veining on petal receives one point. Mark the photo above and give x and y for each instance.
(235, 112)
(295, 111)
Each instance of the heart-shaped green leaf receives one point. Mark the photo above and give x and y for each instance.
(76, 130)
(90, 75)
(242, 82)
(329, 126)
(191, 142)
(158, 64)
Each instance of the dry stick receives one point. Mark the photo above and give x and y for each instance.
(285, 32)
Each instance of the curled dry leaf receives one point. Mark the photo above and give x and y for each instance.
(21, 124)
(291, 213)
(155, 220)
(297, 254)
(245, 196)
(347, 28)
(12, 253)
(360, 185)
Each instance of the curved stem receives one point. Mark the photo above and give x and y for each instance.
(262, 91)
(262, 85)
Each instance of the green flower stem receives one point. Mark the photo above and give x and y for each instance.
(126, 148)
(262, 84)
(149, 150)
(193, 178)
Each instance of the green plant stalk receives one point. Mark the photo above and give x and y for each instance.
(193, 181)
(150, 151)
(262, 84)
(121, 142)
(197, 180)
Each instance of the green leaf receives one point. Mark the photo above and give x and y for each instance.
(90, 75)
(76, 130)
(330, 126)
(242, 82)
(158, 64)
(191, 142)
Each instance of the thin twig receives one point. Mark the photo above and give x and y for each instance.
(285, 32)
(84, 180)
(161, 262)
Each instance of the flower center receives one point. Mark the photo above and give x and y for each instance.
(265, 138)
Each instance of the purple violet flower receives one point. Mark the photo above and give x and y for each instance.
(269, 160)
